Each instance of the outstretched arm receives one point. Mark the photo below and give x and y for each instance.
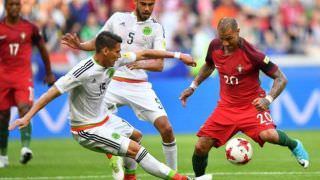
(205, 71)
(73, 41)
(150, 54)
(51, 94)
(155, 65)
(279, 83)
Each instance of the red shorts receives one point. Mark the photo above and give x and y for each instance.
(225, 122)
(14, 94)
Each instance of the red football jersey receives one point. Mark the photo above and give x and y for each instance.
(15, 50)
(239, 72)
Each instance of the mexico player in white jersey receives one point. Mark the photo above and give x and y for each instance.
(130, 85)
(91, 125)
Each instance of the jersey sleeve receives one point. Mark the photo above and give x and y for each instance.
(36, 35)
(75, 77)
(108, 26)
(260, 59)
(209, 60)
(126, 58)
(159, 40)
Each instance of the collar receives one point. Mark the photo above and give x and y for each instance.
(97, 64)
(140, 22)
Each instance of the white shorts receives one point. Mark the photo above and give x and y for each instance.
(139, 96)
(111, 137)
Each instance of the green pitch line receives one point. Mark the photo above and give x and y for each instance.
(65, 159)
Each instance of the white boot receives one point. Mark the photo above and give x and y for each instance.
(26, 155)
(4, 161)
(116, 164)
(204, 177)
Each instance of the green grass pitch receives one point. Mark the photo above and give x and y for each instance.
(65, 159)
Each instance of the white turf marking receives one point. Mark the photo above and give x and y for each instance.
(312, 173)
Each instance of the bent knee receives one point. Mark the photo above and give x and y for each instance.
(201, 149)
(269, 135)
(133, 149)
(136, 135)
(167, 131)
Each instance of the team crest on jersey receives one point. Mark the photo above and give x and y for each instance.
(147, 30)
(115, 135)
(240, 68)
(23, 36)
(110, 72)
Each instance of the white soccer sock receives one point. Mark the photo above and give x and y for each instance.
(152, 165)
(170, 152)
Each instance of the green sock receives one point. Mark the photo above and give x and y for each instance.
(284, 140)
(4, 133)
(171, 174)
(26, 136)
(199, 164)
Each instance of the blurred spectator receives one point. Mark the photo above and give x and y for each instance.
(90, 29)
(203, 34)
(79, 10)
(276, 26)
(1, 9)
(52, 33)
(224, 8)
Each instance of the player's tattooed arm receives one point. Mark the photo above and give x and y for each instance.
(205, 71)
(279, 83)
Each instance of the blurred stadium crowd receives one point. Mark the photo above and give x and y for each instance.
(278, 27)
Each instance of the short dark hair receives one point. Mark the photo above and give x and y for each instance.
(226, 23)
(107, 39)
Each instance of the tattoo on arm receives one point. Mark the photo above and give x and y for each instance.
(204, 73)
(279, 83)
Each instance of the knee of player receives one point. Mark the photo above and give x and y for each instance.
(167, 130)
(136, 136)
(133, 149)
(269, 135)
(5, 116)
(201, 149)
(23, 109)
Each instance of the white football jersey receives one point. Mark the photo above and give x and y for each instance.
(87, 83)
(136, 36)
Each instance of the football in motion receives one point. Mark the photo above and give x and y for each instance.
(239, 151)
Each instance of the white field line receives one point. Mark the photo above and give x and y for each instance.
(311, 173)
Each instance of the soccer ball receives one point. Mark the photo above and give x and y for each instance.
(238, 151)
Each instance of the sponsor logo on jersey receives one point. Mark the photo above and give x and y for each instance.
(147, 30)
(122, 24)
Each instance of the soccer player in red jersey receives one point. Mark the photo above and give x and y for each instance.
(17, 36)
(243, 104)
